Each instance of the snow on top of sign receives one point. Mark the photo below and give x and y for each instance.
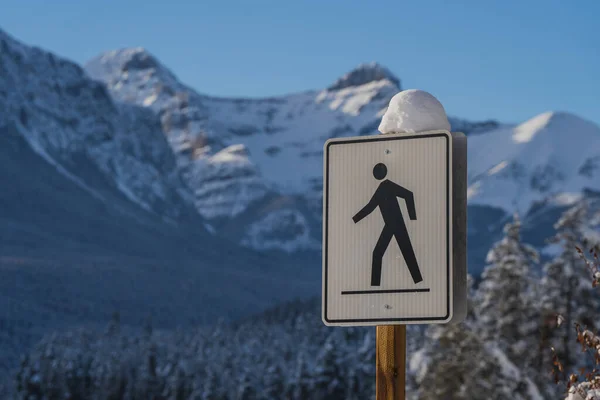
(412, 111)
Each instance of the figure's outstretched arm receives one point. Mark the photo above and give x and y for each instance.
(408, 197)
(366, 210)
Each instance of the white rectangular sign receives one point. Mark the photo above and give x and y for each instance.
(387, 230)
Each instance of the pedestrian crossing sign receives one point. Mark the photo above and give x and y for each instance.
(394, 229)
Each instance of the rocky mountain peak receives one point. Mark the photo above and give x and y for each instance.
(138, 58)
(363, 74)
(117, 64)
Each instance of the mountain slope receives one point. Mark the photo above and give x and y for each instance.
(95, 217)
(531, 167)
(538, 169)
(552, 153)
(279, 133)
(67, 117)
(282, 141)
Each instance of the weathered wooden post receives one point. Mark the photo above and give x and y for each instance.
(390, 371)
(405, 264)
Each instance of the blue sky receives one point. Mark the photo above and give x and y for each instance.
(508, 60)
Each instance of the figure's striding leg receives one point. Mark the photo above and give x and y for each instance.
(378, 252)
(406, 248)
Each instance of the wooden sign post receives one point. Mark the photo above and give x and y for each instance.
(391, 362)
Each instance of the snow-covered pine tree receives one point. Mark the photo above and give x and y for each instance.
(329, 382)
(361, 368)
(178, 385)
(149, 380)
(300, 385)
(504, 299)
(245, 388)
(455, 363)
(274, 383)
(566, 286)
(211, 388)
(458, 365)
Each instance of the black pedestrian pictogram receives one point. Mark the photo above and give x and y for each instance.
(385, 198)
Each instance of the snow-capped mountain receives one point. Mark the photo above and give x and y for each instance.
(511, 167)
(280, 134)
(252, 168)
(554, 154)
(96, 216)
(74, 123)
(114, 152)
(282, 140)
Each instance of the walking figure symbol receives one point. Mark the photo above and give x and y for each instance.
(394, 226)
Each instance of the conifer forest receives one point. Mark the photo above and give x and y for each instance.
(529, 334)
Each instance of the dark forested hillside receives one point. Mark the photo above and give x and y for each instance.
(502, 351)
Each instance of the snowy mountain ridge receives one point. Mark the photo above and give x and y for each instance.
(69, 119)
(511, 167)
(235, 162)
(278, 132)
(554, 154)
(278, 136)
(282, 139)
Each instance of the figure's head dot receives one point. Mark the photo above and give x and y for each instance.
(379, 171)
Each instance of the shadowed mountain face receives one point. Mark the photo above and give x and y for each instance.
(68, 258)
(95, 217)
